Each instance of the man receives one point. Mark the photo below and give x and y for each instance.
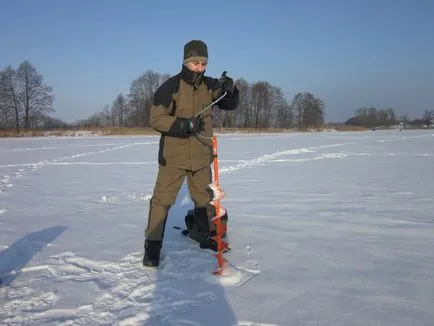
(185, 144)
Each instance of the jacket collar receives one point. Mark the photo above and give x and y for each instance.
(191, 77)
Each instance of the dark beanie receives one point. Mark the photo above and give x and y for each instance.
(195, 50)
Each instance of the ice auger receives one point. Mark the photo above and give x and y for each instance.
(222, 246)
(221, 213)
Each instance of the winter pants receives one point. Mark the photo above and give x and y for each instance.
(167, 186)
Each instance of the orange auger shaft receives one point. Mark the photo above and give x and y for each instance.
(220, 229)
(216, 180)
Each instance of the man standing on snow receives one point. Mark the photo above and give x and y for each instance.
(185, 143)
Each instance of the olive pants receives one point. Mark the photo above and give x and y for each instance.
(167, 186)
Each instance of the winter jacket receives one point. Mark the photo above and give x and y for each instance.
(183, 96)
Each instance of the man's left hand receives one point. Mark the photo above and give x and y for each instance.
(227, 85)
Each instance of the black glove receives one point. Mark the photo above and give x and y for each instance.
(183, 127)
(227, 85)
(196, 125)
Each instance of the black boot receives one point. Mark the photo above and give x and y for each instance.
(152, 253)
(198, 226)
(203, 216)
(208, 243)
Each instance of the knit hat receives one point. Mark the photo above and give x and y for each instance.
(195, 50)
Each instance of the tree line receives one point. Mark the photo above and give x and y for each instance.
(26, 102)
(25, 99)
(372, 117)
(262, 106)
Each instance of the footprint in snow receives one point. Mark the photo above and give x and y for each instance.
(107, 199)
(126, 292)
(19, 173)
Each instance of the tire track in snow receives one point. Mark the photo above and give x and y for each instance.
(65, 158)
(6, 181)
(274, 157)
(26, 149)
(259, 161)
(281, 156)
(43, 163)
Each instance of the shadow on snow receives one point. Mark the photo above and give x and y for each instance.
(14, 258)
(205, 301)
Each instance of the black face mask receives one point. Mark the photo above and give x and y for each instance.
(191, 77)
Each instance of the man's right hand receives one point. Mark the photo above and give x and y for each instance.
(184, 127)
(196, 125)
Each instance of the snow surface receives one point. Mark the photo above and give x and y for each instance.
(339, 228)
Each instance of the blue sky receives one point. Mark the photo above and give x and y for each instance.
(348, 53)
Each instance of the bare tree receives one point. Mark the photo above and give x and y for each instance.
(309, 110)
(315, 114)
(259, 107)
(107, 118)
(120, 108)
(140, 96)
(36, 96)
(243, 113)
(428, 117)
(267, 105)
(261, 94)
(298, 105)
(9, 91)
(277, 101)
(284, 115)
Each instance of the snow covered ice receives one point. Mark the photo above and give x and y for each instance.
(339, 226)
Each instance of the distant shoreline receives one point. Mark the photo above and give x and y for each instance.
(116, 131)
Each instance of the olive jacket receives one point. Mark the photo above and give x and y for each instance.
(183, 96)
